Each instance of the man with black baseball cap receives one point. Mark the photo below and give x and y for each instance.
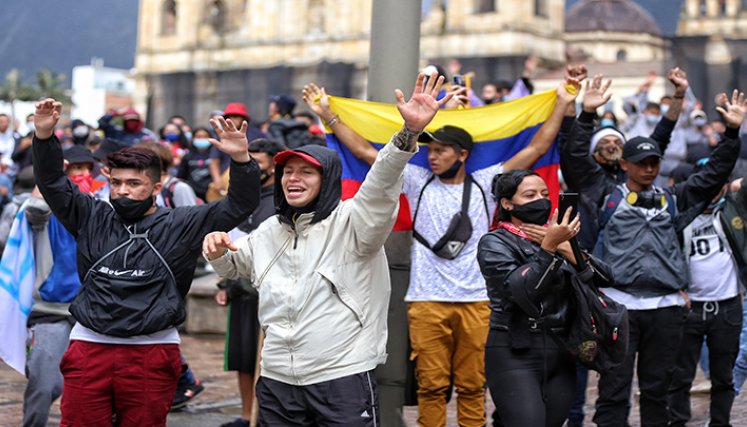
(640, 225)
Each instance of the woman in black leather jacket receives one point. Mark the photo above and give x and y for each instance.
(531, 379)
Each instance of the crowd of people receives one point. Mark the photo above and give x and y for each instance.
(121, 216)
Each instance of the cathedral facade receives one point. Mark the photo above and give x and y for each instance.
(195, 56)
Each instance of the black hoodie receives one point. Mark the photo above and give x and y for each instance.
(330, 193)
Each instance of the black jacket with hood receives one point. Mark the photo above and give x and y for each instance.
(136, 290)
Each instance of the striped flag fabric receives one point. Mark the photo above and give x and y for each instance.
(17, 277)
(499, 132)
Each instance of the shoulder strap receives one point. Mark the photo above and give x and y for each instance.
(484, 198)
(415, 234)
(132, 236)
(466, 193)
(610, 205)
(671, 204)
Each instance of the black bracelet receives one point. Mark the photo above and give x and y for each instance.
(678, 97)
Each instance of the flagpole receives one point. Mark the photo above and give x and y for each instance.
(393, 64)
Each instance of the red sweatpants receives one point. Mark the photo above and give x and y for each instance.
(135, 382)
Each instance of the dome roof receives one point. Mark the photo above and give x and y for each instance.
(623, 16)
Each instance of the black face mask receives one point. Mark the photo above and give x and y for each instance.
(452, 171)
(536, 212)
(131, 210)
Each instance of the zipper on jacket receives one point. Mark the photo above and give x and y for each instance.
(547, 271)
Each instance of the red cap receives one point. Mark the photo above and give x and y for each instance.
(283, 156)
(236, 109)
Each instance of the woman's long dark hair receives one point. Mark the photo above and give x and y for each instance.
(505, 185)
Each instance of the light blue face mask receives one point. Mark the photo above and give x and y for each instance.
(652, 120)
(201, 143)
(664, 109)
(606, 123)
(188, 135)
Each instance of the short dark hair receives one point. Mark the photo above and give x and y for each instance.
(136, 157)
(650, 105)
(505, 185)
(267, 146)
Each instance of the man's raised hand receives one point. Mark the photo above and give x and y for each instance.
(734, 111)
(578, 72)
(595, 93)
(216, 244)
(422, 106)
(318, 101)
(232, 141)
(678, 78)
(46, 116)
(568, 90)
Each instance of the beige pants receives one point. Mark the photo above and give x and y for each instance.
(449, 339)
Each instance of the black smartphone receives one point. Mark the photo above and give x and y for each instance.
(568, 201)
(458, 80)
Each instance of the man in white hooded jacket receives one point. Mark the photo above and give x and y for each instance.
(323, 279)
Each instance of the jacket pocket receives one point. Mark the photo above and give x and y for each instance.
(345, 296)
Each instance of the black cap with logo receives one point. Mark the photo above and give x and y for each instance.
(450, 135)
(639, 148)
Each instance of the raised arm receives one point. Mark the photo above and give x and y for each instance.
(702, 187)
(317, 100)
(580, 170)
(543, 139)
(243, 191)
(663, 131)
(70, 206)
(373, 209)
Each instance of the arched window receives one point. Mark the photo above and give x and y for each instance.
(217, 16)
(622, 55)
(168, 18)
(540, 8)
(485, 6)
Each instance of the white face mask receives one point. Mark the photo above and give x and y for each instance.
(80, 131)
(31, 126)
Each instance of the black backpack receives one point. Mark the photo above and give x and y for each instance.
(598, 336)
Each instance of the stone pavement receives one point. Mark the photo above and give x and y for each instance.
(219, 402)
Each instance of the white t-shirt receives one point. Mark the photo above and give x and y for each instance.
(166, 336)
(433, 278)
(712, 272)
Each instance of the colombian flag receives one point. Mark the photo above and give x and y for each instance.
(499, 131)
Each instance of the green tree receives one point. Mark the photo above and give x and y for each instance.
(13, 89)
(51, 85)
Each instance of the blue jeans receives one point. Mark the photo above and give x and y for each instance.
(740, 366)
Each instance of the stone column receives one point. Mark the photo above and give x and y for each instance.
(394, 55)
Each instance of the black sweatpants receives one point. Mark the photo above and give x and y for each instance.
(534, 387)
(655, 336)
(351, 401)
(720, 323)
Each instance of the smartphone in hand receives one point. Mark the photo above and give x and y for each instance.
(568, 201)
